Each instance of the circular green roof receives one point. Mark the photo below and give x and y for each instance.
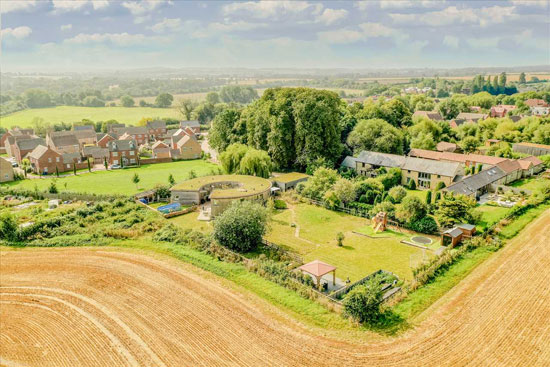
(245, 185)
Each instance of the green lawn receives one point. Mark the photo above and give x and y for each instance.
(69, 114)
(490, 215)
(120, 181)
(520, 222)
(358, 257)
(421, 194)
(529, 183)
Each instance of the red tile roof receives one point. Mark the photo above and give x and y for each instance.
(509, 166)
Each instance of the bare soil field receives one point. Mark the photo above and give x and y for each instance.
(101, 307)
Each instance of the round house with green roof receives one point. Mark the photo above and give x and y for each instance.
(220, 191)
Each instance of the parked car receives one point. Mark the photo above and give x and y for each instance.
(115, 166)
(14, 164)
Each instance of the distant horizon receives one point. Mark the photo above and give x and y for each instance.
(98, 35)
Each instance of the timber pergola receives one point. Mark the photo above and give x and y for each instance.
(318, 269)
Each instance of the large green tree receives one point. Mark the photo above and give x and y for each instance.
(242, 226)
(164, 100)
(376, 135)
(225, 130)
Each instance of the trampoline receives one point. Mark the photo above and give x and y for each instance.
(421, 240)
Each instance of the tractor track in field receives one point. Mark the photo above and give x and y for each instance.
(102, 307)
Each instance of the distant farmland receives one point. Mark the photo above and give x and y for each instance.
(69, 114)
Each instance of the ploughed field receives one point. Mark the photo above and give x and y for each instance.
(97, 307)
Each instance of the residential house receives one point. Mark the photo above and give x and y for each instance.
(85, 136)
(512, 169)
(444, 146)
(188, 147)
(531, 148)
(465, 159)
(193, 125)
(83, 127)
(6, 171)
(539, 111)
(472, 117)
(533, 102)
(432, 115)
(9, 143)
(288, 181)
(138, 133)
(156, 129)
(123, 152)
(45, 160)
(21, 133)
(531, 165)
(161, 150)
(476, 109)
(23, 146)
(501, 110)
(426, 173)
(63, 141)
(112, 127)
(73, 160)
(479, 183)
(96, 154)
(538, 107)
(104, 139)
(454, 123)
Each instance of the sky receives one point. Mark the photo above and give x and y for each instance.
(55, 35)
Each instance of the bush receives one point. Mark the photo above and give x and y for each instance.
(440, 185)
(424, 225)
(8, 227)
(279, 204)
(340, 239)
(242, 226)
(397, 194)
(412, 185)
(363, 302)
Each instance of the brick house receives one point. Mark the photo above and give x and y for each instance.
(123, 152)
(156, 129)
(85, 137)
(432, 115)
(96, 154)
(193, 125)
(188, 147)
(63, 141)
(137, 133)
(501, 110)
(45, 160)
(104, 139)
(21, 147)
(22, 133)
(161, 150)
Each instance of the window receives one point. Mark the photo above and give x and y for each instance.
(438, 176)
(124, 154)
(115, 154)
(68, 166)
(49, 160)
(131, 152)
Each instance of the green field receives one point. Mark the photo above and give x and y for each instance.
(120, 181)
(490, 215)
(529, 183)
(359, 256)
(69, 114)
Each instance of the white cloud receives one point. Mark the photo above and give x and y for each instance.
(196, 29)
(18, 32)
(484, 43)
(366, 30)
(330, 16)
(451, 41)
(9, 6)
(140, 8)
(398, 4)
(74, 5)
(538, 3)
(453, 15)
(270, 9)
(167, 24)
(100, 4)
(66, 27)
(119, 39)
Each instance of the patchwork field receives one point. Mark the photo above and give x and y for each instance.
(85, 307)
(69, 114)
(120, 181)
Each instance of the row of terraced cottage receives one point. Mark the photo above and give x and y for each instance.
(432, 169)
(62, 151)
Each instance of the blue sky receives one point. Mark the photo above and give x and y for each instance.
(49, 35)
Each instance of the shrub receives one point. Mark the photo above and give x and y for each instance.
(241, 227)
(429, 197)
(440, 185)
(412, 185)
(279, 204)
(8, 227)
(363, 302)
(424, 225)
(53, 188)
(397, 194)
(340, 239)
